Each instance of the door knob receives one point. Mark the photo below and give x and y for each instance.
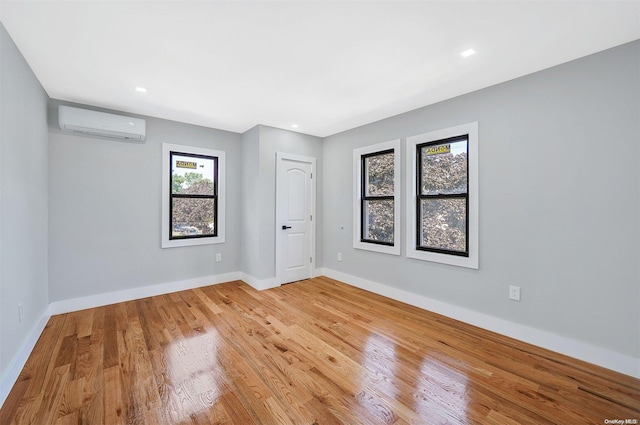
(286, 227)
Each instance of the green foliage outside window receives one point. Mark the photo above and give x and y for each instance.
(193, 215)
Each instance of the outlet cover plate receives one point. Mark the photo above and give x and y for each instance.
(514, 293)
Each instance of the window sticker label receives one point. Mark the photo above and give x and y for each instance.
(187, 164)
(438, 150)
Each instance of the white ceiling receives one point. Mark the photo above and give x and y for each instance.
(326, 66)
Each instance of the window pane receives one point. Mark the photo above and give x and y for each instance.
(443, 224)
(191, 217)
(378, 175)
(192, 175)
(444, 168)
(378, 220)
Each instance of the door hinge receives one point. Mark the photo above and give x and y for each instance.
(311, 175)
(311, 259)
(311, 217)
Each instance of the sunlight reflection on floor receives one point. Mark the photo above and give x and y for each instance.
(194, 374)
(440, 392)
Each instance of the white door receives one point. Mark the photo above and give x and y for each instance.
(294, 217)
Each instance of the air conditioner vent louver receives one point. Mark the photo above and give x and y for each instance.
(101, 124)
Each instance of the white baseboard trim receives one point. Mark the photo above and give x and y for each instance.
(577, 349)
(262, 284)
(259, 284)
(11, 374)
(91, 301)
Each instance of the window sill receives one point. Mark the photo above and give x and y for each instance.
(385, 249)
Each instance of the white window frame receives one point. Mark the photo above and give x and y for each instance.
(167, 148)
(470, 129)
(357, 193)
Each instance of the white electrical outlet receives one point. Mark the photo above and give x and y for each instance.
(339, 256)
(218, 257)
(20, 312)
(514, 293)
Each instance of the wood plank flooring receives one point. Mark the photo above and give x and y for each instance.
(315, 352)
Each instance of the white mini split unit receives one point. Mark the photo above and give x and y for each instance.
(93, 123)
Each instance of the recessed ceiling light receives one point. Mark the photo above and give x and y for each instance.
(141, 89)
(468, 53)
(294, 125)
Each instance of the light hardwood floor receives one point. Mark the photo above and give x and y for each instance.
(312, 352)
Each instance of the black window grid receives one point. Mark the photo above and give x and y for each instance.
(173, 196)
(420, 196)
(364, 197)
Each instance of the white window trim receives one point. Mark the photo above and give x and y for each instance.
(167, 148)
(357, 193)
(472, 261)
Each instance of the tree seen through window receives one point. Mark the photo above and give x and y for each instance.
(193, 195)
(378, 197)
(443, 196)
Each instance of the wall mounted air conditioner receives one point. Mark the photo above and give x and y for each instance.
(93, 123)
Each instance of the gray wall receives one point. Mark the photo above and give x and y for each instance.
(105, 211)
(260, 187)
(105, 207)
(250, 246)
(559, 201)
(23, 199)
